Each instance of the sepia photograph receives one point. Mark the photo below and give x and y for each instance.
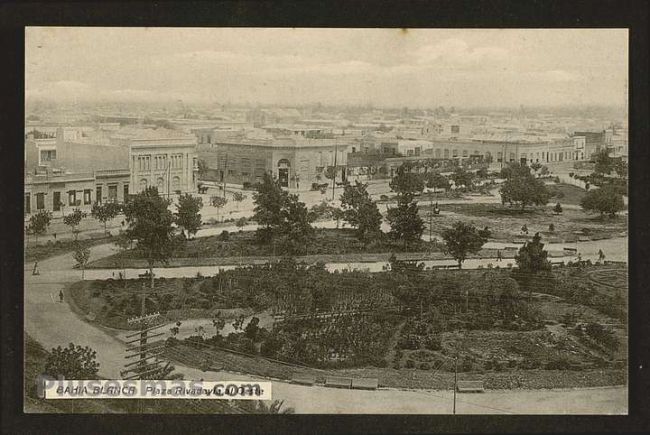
(247, 220)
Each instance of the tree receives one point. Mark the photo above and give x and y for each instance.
(557, 209)
(462, 239)
(123, 243)
(188, 216)
(603, 200)
(405, 222)
(150, 224)
(81, 255)
(295, 228)
(241, 222)
(551, 228)
(72, 362)
(524, 190)
(406, 184)
(532, 259)
(621, 168)
(437, 181)
(238, 197)
(360, 211)
(105, 212)
(39, 222)
(514, 170)
(73, 220)
(482, 173)
(218, 202)
(269, 199)
(604, 164)
(280, 215)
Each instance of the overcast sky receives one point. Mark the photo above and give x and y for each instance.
(414, 68)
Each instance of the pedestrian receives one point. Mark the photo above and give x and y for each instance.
(601, 255)
(54, 236)
(35, 271)
(499, 255)
(60, 295)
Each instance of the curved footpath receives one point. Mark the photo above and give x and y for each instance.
(52, 324)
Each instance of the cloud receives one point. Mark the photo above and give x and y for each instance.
(68, 91)
(456, 52)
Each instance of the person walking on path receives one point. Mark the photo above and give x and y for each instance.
(35, 271)
(601, 255)
(60, 295)
(499, 258)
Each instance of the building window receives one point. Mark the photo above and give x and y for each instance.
(56, 201)
(232, 172)
(28, 203)
(40, 201)
(72, 197)
(48, 155)
(112, 193)
(454, 153)
(126, 192)
(98, 194)
(143, 184)
(87, 196)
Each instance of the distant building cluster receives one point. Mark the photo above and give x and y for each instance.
(77, 163)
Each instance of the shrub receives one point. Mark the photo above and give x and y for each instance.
(397, 365)
(410, 364)
(559, 363)
(425, 366)
(467, 365)
(409, 342)
(224, 236)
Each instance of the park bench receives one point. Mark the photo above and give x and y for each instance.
(470, 387)
(583, 239)
(338, 382)
(303, 380)
(365, 383)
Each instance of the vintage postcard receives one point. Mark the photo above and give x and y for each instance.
(326, 221)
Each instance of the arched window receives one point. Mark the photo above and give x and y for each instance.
(160, 183)
(176, 184)
(143, 184)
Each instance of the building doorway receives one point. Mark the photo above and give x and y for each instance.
(283, 172)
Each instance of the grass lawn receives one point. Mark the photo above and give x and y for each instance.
(506, 222)
(34, 252)
(566, 194)
(328, 245)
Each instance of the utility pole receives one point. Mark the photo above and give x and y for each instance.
(455, 380)
(143, 348)
(169, 176)
(225, 173)
(336, 151)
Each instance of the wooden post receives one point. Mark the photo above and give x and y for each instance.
(455, 381)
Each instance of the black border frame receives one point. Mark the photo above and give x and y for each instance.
(632, 14)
